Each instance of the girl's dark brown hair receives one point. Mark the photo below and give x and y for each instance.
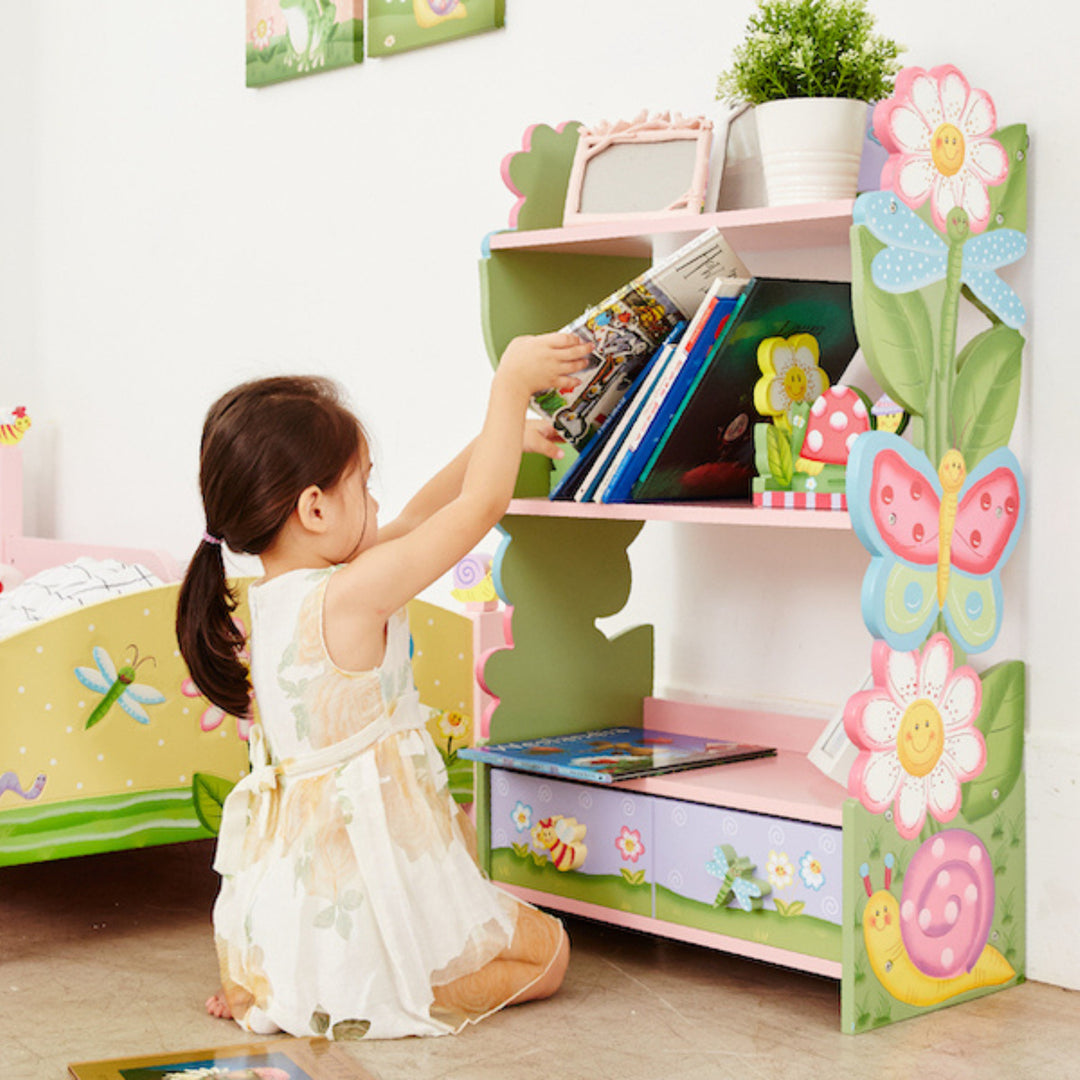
(263, 443)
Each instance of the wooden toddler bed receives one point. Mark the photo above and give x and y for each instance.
(86, 766)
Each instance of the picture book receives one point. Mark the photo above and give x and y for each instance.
(629, 326)
(622, 753)
(666, 398)
(628, 417)
(276, 1059)
(707, 449)
(613, 427)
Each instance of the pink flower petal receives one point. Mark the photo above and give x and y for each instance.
(902, 677)
(975, 199)
(910, 130)
(880, 722)
(980, 116)
(988, 161)
(955, 90)
(960, 703)
(925, 95)
(966, 752)
(875, 779)
(936, 666)
(910, 806)
(943, 792)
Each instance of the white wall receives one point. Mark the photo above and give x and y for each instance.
(167, 232)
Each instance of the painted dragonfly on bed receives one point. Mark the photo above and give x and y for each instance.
(118, 686)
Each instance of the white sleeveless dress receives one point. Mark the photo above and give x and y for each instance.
(349, 890)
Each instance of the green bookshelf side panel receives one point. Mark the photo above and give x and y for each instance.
(564, 675)
(866, 1002)
(532, 292)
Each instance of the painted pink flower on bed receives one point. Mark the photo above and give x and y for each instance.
(213, 715)
(937, 130)
(915, 731)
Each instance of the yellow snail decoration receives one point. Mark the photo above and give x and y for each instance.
(931, 944)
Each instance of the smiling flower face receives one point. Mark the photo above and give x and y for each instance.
(916, 735)
(629, 844)
(789, 374)
(937, 130)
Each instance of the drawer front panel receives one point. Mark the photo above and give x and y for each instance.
(582, 841)
(750, 876)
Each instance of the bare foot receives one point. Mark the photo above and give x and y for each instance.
(216, 1005)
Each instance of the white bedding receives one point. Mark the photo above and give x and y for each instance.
(65, 588)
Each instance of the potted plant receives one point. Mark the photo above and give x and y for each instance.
(809, 67)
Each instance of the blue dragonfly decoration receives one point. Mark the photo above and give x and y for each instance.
(917, 255)
(736, 880)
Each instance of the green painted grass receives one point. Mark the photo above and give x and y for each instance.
(804, 934)
(90, 826)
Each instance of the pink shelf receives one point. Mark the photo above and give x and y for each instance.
(787, 785)
(715, 513)
(769, 228)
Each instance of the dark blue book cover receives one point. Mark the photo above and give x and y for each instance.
(623, 753)
(619, 487)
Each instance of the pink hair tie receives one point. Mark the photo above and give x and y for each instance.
(208, 539)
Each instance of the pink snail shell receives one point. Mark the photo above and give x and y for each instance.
(471, 571)
(948, 903)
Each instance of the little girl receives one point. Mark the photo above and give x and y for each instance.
(351, 901)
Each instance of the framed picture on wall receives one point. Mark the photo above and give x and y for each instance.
(287, 39)
(396, 26)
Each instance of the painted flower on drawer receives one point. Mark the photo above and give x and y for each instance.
(629, 844)
(916, 736)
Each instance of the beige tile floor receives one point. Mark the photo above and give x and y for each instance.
(111, 955)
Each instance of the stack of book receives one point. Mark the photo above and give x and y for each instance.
(666, 411)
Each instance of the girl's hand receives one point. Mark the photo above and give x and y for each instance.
(542, 438)
(538, 362)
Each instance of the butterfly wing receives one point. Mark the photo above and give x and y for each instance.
(894, 498)
(989, 516)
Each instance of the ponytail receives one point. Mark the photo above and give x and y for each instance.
(210, 642)
(263, 443)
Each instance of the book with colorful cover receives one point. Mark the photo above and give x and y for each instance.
(613, 428)
(707, 451)
(667, 398)
(629, 326)
(285, 1058)
(622, 753)
(634, 400)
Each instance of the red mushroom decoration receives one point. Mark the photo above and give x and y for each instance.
(836, 418)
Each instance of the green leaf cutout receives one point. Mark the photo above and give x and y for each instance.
(1008, 201)
(987, 392)
(1001, 720)
(779, 452)
(208, 795)
(894, 330)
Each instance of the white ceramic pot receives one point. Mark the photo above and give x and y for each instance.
(811, 148)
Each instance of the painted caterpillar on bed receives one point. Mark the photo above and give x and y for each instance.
(931, 944)
(564, 840)
(10, 782)
(13, 425)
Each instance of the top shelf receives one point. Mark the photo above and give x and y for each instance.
(768, 228)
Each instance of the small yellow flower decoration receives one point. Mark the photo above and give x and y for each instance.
(455, 726)
(789, 374)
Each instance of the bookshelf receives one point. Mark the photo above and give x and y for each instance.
(695, 835)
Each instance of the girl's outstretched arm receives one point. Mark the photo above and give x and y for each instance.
(384, 577)
(445, 486)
